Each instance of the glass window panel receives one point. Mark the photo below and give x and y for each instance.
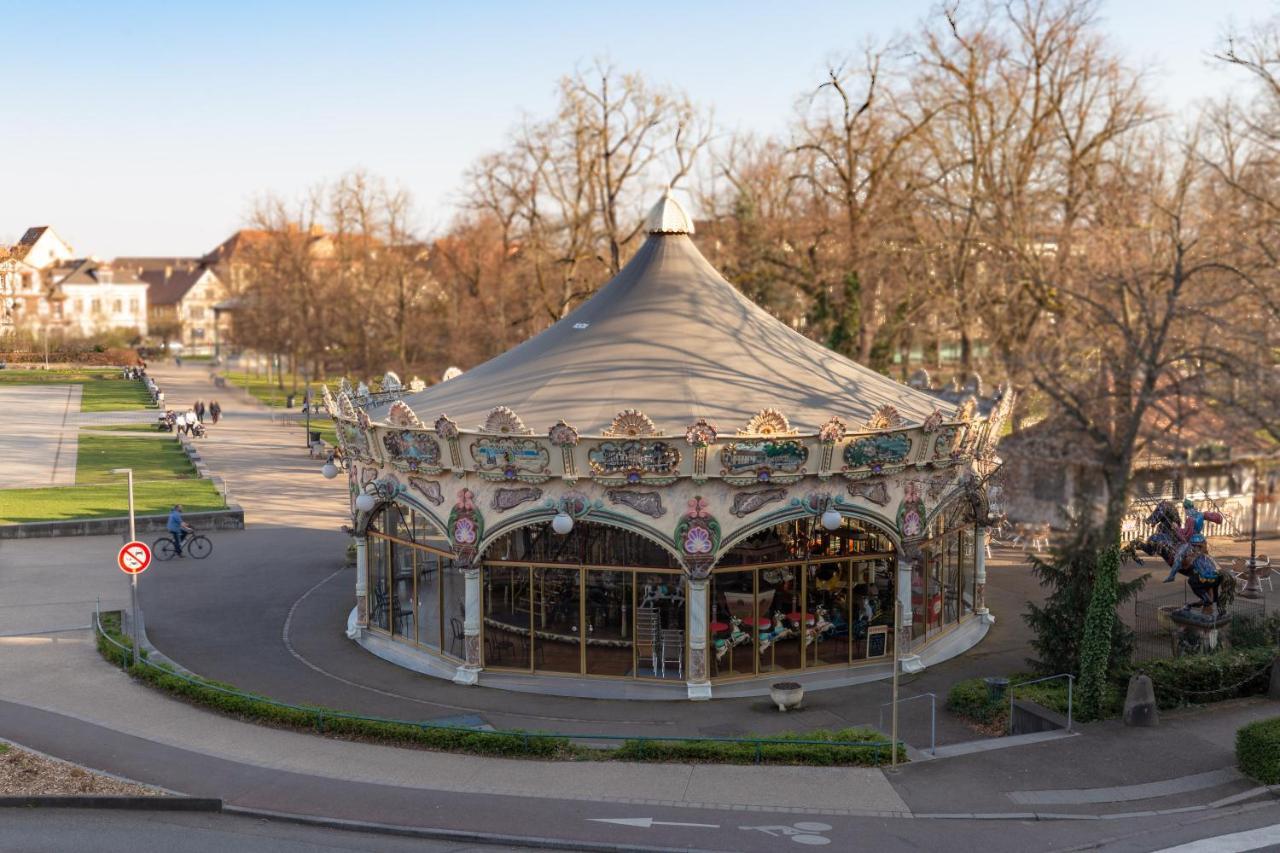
(508, 617)
(660, 625)
(453, 590)
(827, 634)
(556, 619)
(378, 586)
(428, 603)
(609, 600)
(951, 579)
(587, 544)
(933, 589)
(402, 572)
(779, 602)
(919, 610)
(733, 635)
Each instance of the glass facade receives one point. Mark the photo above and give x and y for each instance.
(415, 595)
(605, 602)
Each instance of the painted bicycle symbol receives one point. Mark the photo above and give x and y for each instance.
(804, 832)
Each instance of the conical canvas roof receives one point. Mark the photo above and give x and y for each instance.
(670, 337)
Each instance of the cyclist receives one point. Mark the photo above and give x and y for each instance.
(178, 528)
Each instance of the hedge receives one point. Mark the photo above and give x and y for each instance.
(848, 747)
(1199, 679)
(861, 747)
(1258, 750)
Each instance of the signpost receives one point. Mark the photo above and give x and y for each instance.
(133, 559)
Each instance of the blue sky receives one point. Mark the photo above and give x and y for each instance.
(148, 128)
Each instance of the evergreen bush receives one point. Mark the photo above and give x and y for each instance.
(1258, 750)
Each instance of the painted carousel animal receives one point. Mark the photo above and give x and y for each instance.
(1183, 547)
(819, 629)
(736, 637)
(775, 634)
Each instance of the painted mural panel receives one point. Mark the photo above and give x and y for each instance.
(621, 457)
(513, 455)
(886, 449)
(746, 457)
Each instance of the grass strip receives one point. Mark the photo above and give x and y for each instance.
(107, 500)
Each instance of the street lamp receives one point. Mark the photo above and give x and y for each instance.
(365, 502)
(329, 470)
(133, 578)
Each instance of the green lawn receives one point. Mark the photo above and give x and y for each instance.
(321, 424)
(162, 476)
(103, 390)
(122, 427)
(267, 391)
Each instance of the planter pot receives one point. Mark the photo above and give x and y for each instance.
(787, 695)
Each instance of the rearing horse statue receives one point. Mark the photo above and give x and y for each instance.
(1183, 549)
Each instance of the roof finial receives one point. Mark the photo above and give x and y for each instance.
(668, 217)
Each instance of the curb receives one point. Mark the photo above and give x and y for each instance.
(119, 802)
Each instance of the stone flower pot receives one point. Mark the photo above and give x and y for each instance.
(787, 695)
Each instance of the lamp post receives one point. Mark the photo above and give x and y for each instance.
(133, 579)
(306, 401)
(1252, 586)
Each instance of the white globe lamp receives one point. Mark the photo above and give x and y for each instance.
(831, 519)
(329, 471)
(366, 502)
(562, 523)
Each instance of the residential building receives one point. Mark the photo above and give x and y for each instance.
(182, 300)
(97, 297)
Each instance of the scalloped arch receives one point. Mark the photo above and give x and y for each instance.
(632, 423)
(505, 422)
(791, 513)
(541, 514)
(768, 422)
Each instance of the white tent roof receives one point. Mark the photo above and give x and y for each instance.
(670, 337)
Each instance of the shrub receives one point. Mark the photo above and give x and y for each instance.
(1258, 750)
(1099, 623)
(1248, 632)
(1196, 679)
(969, 698)
(845, 747)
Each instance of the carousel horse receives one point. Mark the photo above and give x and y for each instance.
(1183, 550)
(736, 637)
(821, 627)
(776, 634)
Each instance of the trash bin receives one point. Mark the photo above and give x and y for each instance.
(996, 688)
(288, 401)
(314, 436)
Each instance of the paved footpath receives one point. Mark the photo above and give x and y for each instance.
(1122, 789)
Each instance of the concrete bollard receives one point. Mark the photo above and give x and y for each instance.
(1140, 702)
(1273, 689)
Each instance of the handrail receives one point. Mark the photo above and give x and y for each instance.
(933, 717)
(322, 713)
(1070, 681)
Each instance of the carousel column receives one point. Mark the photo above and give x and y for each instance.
(699, 684)
(362, 589)
(469, 672)
(909, 660)
(980, 576)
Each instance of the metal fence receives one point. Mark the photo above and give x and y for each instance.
(1158, 637)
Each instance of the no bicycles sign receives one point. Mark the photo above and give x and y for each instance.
(134, 557)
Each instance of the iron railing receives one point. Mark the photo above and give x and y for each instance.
(1070, 682)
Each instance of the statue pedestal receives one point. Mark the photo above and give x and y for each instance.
(1195, 631)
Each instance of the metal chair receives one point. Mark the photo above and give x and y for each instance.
(647, 637)
(458, 635)
(673, 651)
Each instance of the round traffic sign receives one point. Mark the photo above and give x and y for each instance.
(134, 557)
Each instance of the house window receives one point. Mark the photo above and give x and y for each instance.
(95, 305)
(57, 309)
(133, 306)
(79, 306)
(27, 282)
(196, 312)
(117, 306)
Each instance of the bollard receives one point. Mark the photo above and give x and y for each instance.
(1140, 702)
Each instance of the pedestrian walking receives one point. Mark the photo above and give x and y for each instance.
(215, 411)
(199, 410)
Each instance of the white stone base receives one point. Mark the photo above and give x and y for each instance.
(353, 627)
(911, 664)
(987, 617)
(466, 675)
(699, 692)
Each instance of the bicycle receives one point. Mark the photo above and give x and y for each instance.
(197, 545)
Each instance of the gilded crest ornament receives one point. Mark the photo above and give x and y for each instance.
(697, 537)
(391, 382)
(446, 428)
(934, 421)
(995, 423)
(968, 409)
(362, 418)
(886, 417)
(505, 422)
(401, 415)
(832, 431)
(700, 433)
(330, 404)
(768, 422)
(346, 409)
(631, 423)
(465, 526)
(563, 435)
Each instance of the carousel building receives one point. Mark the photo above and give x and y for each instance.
(667, 494)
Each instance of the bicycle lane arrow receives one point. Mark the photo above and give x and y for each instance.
(648, 822)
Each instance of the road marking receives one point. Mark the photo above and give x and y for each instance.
(806, 832)
(649, 823)
(1236, 842)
